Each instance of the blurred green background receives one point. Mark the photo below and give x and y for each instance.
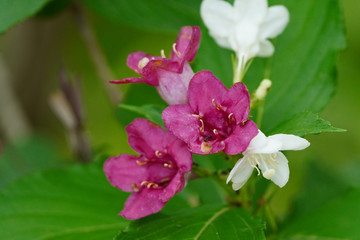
(33, 137)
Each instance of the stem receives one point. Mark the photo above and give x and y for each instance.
(260, 113)
(99, 60)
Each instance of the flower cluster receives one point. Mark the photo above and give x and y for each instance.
(204, 117)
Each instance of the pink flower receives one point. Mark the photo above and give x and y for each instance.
(170, 76)
(154, 176)
(216, 119)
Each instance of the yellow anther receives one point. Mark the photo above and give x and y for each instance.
(143, 62)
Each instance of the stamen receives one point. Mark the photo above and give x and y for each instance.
(269, 162)
(230, 117)
(134, 187)
(195, 115)
(215, 131)
(269, 173)
(273, 157)
(162, 52)
(202, 128)
(169, 165)
(215, 105)
(206, 147)
(176, 51)
(164, 180)
(143, 62)
(140, 163)
(159, 154)
(149, 184)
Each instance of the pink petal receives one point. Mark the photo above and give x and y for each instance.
(134, 80)
(146, 137)
(173, 87)
(203, 88)
(178, 119)
(237, 102)
(240, 138)
(175, 186)
(142, 204)
(133, 60)
(181, 155)
(187, 44)
(123, 171)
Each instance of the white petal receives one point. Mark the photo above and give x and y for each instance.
(240, 173)
(266, 49)
(262, 144)
(217, 16)
(281, 176)
(243, 37)
(290, 142)
(275, 22)
(253, 11)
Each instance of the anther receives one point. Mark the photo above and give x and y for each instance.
(140, 163)
(168, 165)
(206, 147)
(143, 62)
(269, 173)
(215, 131)
(202, 128)
(195, 115)
(230, 117)
(134, 187)
(149, 184)
(215, 105)
(163, 53)
(176, 51)
(159, 154)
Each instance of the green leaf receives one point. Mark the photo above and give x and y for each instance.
(306, 123)
(77, 203)
(303, 67)
(206, 222)
(26, 156)
(338, 219)
(215, 59)
(151, 112)
(14, 11)
(160, 15)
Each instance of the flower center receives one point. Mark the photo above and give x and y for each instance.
(266, 161)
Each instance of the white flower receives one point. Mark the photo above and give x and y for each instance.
(264, 153)
(244, 27)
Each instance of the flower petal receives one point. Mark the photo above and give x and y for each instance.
(275, 22)
(237, 102)
(290, 142)
(253, 11)
(173, 87)
(217, 16)
(240, 138)
(187, 44)
(176, 185)
(203, 88)
(179, 121)
(266, 49)
(146, 137)
(240, 173)
(134, 58)
(262, 144)
(142, 204)
(281, 175)
(123, 171)
(149, 81)
(179, 152)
